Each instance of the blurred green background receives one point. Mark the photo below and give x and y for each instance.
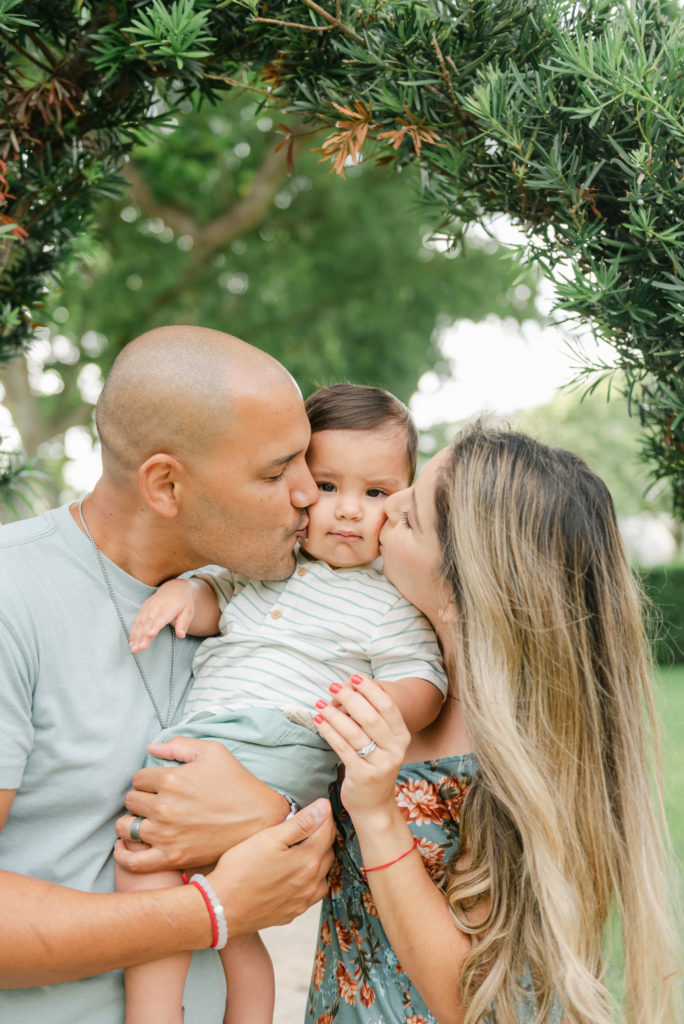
(671, 705)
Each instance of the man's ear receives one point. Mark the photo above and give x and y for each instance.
(160, 482)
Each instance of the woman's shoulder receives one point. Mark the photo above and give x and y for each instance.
(452, 764)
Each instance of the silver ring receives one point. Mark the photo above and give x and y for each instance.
(368, 749)
(135, 829)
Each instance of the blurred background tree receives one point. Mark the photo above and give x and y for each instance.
(566, 117)
(337, 279)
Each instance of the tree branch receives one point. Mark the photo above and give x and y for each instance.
(178, 219)
(241, 217)
(333, 22)
(21, 403)
(24, 407)
(244, 215)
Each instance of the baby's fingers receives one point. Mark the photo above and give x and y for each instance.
(182, 621)
(146, 625)
(140, 641)
(140, 634)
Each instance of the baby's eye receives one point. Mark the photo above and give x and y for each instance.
(376, 492)
(325, 487)
(405, 519)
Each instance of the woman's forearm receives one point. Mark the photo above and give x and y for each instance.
(414, 914)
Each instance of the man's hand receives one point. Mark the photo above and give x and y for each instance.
(277, 874)
(51, 934)
(195, 811)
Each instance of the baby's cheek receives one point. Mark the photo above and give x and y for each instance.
(380, 520)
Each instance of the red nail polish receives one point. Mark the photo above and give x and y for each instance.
(318, 719)
(356, 680)
(321, 704)
(334, 687)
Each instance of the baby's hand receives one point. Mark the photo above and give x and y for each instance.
(174, 602)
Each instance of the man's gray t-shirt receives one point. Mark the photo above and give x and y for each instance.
(74, 726)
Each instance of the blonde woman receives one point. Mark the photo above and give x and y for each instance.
(511, 549)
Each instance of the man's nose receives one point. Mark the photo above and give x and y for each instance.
(304, 490)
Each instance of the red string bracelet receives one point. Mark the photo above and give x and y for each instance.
(219, 929)
(212, 915)
(381, 867)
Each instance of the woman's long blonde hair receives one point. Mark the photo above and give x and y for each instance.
(565, 816)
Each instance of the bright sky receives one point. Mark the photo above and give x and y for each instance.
(495, 367)
(499, 367)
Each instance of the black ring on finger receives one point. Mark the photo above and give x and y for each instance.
(135, 829)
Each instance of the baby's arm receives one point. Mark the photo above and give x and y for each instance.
(418, 700)
(403, 648)
(191, 605)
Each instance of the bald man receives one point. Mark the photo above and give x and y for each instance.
(203, 462)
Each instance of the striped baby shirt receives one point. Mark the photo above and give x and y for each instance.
(282, 643)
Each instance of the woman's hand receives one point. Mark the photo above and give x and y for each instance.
(361, 714)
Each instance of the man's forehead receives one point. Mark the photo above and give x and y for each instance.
(282, 460)
(269, 413)
(274, 441)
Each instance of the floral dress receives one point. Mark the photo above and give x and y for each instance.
(357, 978)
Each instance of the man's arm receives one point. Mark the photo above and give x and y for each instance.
(51, 934)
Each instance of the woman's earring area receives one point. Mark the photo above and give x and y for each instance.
(446, 612)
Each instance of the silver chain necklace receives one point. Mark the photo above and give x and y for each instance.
(110, 588)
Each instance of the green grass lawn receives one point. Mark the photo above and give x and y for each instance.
(670, 700)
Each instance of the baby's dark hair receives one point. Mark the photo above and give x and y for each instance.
(358, 407)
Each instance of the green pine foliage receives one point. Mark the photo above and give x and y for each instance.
(566, 117)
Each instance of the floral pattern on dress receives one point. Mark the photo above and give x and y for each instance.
(357, 978)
